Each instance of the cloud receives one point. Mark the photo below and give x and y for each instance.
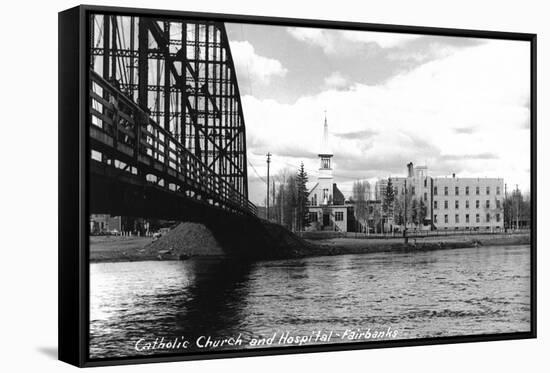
(383, 39)
(289, 151)
(253, 66)
(464, 130)
(336, 42)
(415, 116)
(458, 157)
(362, 134)
(336, 80)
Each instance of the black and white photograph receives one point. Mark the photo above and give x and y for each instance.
(261, 187)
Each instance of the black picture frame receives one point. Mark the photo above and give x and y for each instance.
(73, 232)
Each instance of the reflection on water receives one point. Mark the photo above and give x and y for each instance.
(426, 294)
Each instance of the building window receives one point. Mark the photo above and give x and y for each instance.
(498, 190)
(456, 191)
(425, 196)
(456, 204)
(477, 218)
(467, 190)
(339, 216)
(435, 219)
(312, 217)
(477, 190)
(412, 191)
(488, 218)
(488, 190)
(477, 204)
(435, 205)
(435, 191)
(446, 191)
(487, 204)
(467, 203)
(498, 203)
(467, 218)
(446, 204)
(457, 220)
(446, 219)
(498, 218)
(425, 182)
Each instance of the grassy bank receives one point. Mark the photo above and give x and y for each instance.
(339, 246)
(117, 249)
(120, 249)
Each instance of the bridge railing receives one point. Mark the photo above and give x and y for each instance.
(125, 131)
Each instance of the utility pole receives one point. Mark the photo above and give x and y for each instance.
(267, 199)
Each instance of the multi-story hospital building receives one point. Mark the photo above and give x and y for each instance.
(455, 202)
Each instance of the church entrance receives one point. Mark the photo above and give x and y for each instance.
(326, 219)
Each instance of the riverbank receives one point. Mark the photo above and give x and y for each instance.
(192, 241)
(340, 246)
(120, 249)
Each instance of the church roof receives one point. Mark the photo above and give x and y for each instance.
(337, 195)
(313, 188)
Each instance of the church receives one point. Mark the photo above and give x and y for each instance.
(327, 209)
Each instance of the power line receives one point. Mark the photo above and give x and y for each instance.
(256, 172)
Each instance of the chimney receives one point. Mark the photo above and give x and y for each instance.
(410, 169)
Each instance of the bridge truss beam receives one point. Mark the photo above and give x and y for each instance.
(165, 105)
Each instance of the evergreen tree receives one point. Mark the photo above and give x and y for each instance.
(389, 198)
(302, 194)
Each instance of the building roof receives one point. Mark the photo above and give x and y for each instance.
(337, 196)
(312, 188)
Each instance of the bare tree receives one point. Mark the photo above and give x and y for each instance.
(361, 194)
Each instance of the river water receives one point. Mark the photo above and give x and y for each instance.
(382, 295)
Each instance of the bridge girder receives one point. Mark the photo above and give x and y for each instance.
(165, 92)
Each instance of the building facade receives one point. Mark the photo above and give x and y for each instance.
(327, 209)
(380, 189)
(468, 203)
(448, 202)
(104, 224)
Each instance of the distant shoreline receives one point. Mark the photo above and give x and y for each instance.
(104, 249)
(340, 246)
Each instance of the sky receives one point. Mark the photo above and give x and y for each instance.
(456, 105)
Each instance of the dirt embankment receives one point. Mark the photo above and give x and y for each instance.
(186, 240)
(269, 241)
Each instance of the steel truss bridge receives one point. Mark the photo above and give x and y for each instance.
(165, 119)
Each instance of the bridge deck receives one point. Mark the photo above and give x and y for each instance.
(125, 138)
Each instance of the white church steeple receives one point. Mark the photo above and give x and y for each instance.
(325, 143)
(325, 179)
